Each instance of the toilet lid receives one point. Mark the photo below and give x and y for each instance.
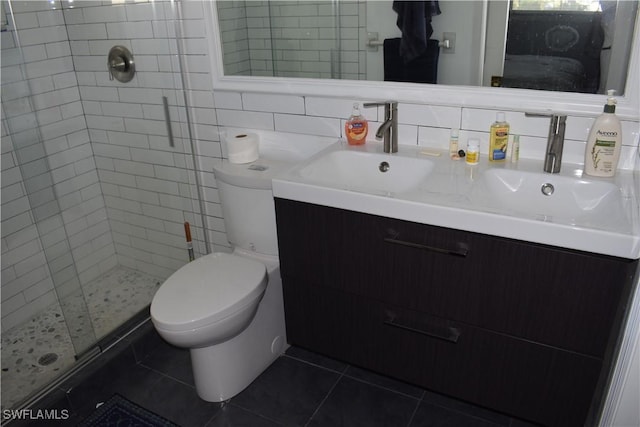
(207, 290)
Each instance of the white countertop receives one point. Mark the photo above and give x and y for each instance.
(452, 196)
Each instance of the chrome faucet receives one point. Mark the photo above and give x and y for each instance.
(389, 128)
(555, 141)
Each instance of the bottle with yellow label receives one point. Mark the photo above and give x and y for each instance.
(498, 139)
(356, 128)
(473, 152)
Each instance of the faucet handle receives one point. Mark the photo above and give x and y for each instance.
(390, 104)
(527, 114)
(557, 120)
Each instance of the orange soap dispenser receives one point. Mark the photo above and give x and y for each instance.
(356, 128)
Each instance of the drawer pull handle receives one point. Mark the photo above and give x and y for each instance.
(462, 250)
(447, 333)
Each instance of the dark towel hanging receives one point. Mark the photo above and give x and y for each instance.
(423, 69)
(414, 20)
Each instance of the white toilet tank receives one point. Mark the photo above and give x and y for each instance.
(247, 203)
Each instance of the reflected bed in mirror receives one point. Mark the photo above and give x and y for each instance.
(344, 39)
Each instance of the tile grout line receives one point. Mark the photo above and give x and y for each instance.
(325, 398)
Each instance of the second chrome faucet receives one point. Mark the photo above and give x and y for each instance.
(388, 131)
(555, 141)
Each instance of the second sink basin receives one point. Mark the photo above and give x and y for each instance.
(547, 196)
(369, 172)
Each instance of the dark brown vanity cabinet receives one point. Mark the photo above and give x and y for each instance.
(520, 328)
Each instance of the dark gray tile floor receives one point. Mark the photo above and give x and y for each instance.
(300, 389)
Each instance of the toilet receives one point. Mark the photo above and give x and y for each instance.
(227, 308)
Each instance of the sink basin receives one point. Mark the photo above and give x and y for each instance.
(597, 215)
(369, 172)
(547, 196)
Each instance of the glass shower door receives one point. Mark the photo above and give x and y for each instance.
(94, 192)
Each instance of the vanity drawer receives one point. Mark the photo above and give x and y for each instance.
(557, 297)
(535, 382)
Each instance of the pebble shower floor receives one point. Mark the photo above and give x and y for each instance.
(36, 352)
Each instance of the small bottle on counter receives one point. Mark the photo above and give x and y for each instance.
(453, 145)
(473, 151)
(356, 127)
(498, 139)
(604, 142)
(515, 149)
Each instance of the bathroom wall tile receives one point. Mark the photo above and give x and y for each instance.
(26, 20)
(152, 46)
(144, 11)
(100, 47)
(30, 263)
(101, 94)
(50, 18)
(129, 30)
(155, 157)
(64, 127)
(100, 14)
(338, 108)
(30, 54)
(153, 127)
(113, 151)
(271, 103)
(171, 173)
(12, 192)
(157, 185)
(91, 191)
(30, 153)
(87, 31)
(13, 303)
(110, 177)
(63, 173)
(34, 36)
(240, 119)
(426, 115)
(16, 223)
(76, 183)
(71, 110)
(227, 100)
(21, 252)
(121, 109)
(309, 125)
(105, 123)
(435, 137)
(70, 156)
(58, 49)
(38, 289)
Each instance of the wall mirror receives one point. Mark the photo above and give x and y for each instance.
(586, 46)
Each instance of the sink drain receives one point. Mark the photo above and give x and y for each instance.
(547, 189)
(47, 359)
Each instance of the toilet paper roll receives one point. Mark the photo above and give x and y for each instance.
(242, 147)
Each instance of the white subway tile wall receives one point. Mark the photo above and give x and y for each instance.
(293, 39)
(119, 167)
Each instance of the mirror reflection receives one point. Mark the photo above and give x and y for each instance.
(557, 45)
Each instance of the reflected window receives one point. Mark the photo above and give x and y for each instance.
(558, 5)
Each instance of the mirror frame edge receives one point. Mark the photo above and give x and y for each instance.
(575, 104)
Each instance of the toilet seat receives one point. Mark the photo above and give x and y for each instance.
(208, 290)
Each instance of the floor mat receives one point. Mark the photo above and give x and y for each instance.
(118, 411)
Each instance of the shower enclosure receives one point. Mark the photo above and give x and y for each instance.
(97, 178)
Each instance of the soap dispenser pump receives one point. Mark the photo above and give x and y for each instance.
(604, 143)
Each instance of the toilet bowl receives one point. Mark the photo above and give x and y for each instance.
(230, 347)
(227, 308)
